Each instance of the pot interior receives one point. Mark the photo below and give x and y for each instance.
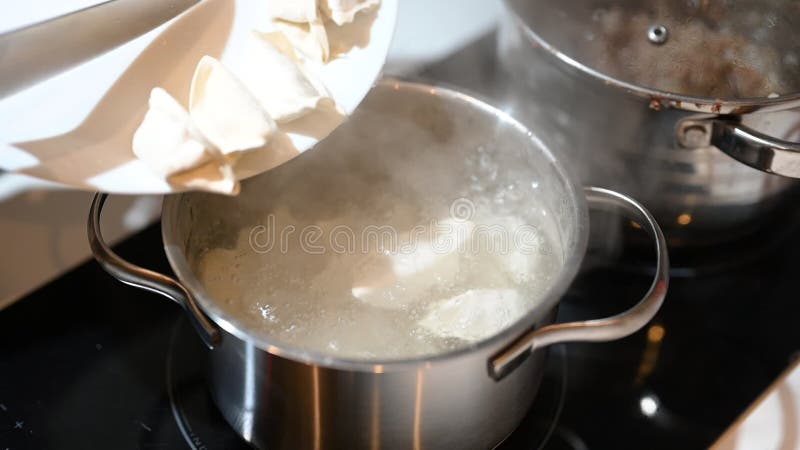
(708, 49)
(347, 250)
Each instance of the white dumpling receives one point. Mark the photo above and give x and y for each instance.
(214, 176)
(517, 262)
(474, 315)
(299, 11)
(225, 112)
(278, 80)
(303, 26)
(399, 279)
(344, 11)
(170, 144)
(310, 39)
(166, 140)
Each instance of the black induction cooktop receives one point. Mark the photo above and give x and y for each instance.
(89, 363)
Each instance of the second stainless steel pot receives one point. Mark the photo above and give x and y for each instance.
(279, 396)
(676, 153)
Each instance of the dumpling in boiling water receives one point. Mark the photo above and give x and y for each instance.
(344, 11)
(399, 279)
(474, 315)
(522, 255)
(225, 112)
(277, 79)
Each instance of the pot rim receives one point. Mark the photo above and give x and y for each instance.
(571, 263)
(664, 98)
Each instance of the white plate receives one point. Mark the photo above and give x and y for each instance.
(76, 128)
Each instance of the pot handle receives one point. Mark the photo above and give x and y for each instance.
(146, 279)
(607, 329)
(756, 149)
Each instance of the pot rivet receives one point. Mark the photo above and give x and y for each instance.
(694, 135)
(657, 34)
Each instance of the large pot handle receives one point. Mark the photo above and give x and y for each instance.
(756, 149)
(146, 279)
(607, 329)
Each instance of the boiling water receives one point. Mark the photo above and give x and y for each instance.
(389, 256)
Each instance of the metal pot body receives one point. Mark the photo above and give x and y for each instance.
(279, 403)
(281, 396)
(635, 143)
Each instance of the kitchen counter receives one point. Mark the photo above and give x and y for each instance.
(772, 422)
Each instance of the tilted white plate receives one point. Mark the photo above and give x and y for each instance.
(76, 128)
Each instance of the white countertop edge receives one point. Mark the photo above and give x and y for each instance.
(772, 421)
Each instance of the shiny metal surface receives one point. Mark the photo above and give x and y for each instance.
(145, 279)
(658, 34)
(278, 403)
(33, 53)
(280, 397)
(610, 328)
(757, 150)
(623, 136)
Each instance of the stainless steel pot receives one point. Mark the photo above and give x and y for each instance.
(278, 396)
(668, 149)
